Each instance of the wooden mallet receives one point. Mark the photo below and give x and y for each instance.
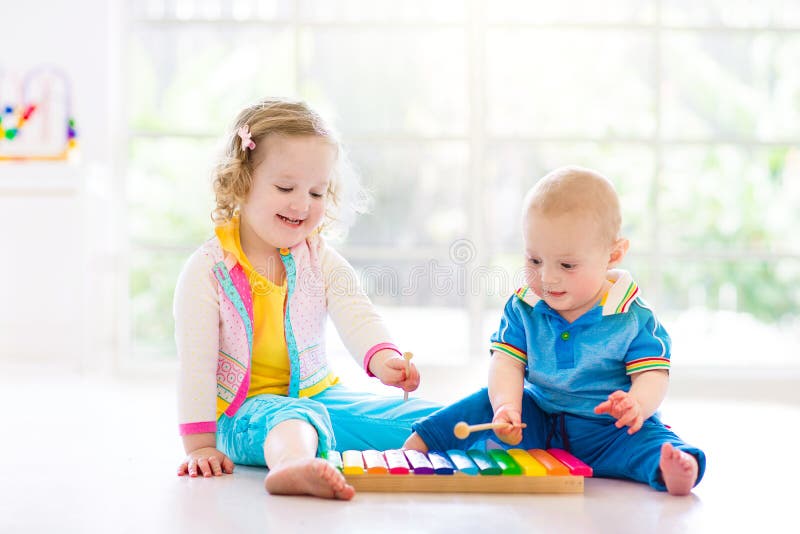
(407, 356)
(462, 429)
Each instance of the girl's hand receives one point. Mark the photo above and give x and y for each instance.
(512, 416)
(208, 460)
(623, 407)
(390, 368)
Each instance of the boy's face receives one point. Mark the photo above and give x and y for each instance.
(567, 262)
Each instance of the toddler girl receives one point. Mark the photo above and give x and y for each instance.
(250, 310)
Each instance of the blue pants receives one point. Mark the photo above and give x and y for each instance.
(344, 419)
(610, 451)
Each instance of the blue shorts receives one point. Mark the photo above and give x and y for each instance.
(610, 451)
(344, 419)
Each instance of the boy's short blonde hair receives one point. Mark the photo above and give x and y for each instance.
(576, 190)
(233, 175)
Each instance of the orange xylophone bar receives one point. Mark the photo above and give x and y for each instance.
(454, 471)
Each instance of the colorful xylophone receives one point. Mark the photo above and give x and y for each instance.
(455, 471)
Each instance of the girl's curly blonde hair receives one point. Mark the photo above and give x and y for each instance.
(233, 176)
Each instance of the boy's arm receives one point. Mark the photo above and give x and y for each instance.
(649, 388)
(649, 349)
(634, 407)
(507, 370)
(506, 378)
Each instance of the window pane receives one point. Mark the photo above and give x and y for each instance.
(733, 13)
(383, 10)
(388, 81)
(152, 278)
(570, 11)
(396, 78)
(740, 86)
(419, 193)
(570, 83)
(195, 79)
(420, 329)
(413, 282)
(735, 313)
(727, 198)
(169, 191)
(499, 280)
(514, 167)
(768, 290)
(212, 9)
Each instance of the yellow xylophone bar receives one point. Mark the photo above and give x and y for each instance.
(529, 475)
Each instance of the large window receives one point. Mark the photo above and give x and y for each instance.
(451, 109)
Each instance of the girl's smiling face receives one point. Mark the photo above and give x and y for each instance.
(288, 197)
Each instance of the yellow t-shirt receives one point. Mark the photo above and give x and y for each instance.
(269, 367)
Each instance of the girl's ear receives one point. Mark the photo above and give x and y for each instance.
(618, 251)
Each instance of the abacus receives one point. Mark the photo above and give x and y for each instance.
(457, 471)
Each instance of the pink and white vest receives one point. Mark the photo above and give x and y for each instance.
(304, 325)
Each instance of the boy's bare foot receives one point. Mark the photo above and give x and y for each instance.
(679, 470)
(311, 476)
(415, 442)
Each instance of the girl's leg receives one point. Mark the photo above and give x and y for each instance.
(290, 452)
(363, 420)
(284, 434)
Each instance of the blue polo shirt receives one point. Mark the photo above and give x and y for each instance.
(573, 367)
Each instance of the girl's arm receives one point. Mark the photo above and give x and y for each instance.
(360, 326)
(506, 380)
(196, 311)
(202, 455)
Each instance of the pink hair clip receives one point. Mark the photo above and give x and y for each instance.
(247, 137)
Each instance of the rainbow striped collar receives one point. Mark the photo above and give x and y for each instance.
(618, 299)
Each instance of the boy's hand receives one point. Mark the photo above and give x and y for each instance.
(208, 460)
(510, 415)
(624, 407)
(390, 368)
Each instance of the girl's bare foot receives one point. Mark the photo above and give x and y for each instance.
(415, 442)
(310, 476)
(679, 470)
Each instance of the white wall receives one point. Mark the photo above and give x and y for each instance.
(59, 248)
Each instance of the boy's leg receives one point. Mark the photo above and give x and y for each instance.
(436, 431)
(612, 452)
(363, 420)
(679, 470)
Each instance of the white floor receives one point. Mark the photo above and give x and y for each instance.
(97, 456)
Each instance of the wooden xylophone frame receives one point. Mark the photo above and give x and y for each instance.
(463, 483)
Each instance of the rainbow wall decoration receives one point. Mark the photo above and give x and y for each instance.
(36, 120)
